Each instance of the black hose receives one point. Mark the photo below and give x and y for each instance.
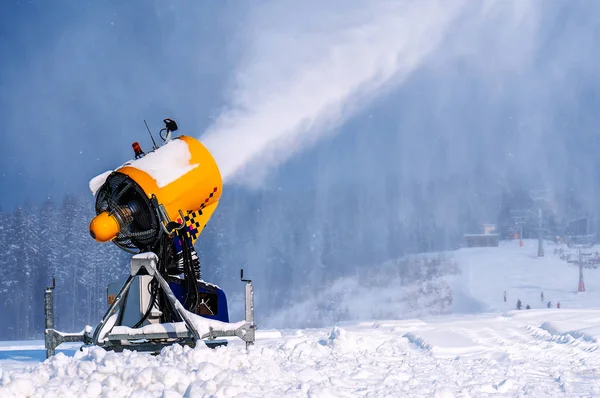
(153, 290)
(191, 273)
(189, 301)
(192, 299)
(169, 313)
(154, 287)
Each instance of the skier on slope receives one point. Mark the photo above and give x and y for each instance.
(549, 304)
(542, 295)
(558, 305)
(518, 304)
(528, 307)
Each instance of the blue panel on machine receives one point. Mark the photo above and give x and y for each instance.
(213, 300)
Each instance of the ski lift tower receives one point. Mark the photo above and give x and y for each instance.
(580, 262)
(518, 218)
(581, 284)
(539, 197)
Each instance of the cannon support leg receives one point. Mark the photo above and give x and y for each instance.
(49, 319)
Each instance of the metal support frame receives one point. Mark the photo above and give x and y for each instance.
(149, 262)
(249, 309)
(149, 341)
(52, 337)
(49, 319)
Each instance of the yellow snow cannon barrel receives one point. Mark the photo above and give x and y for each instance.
(180, 177)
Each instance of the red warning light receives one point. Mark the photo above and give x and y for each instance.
(137, 150)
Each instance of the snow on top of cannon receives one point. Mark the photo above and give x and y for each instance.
(164, 165)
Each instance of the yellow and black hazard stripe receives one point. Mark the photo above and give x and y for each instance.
(203, 205)
(193, 219)
(192, 223)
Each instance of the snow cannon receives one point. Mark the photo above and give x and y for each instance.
(178, 184)
(155, 207)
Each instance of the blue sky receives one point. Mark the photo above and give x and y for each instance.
(81, 76)
(507, 93)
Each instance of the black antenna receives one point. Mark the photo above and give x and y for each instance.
(154, 142)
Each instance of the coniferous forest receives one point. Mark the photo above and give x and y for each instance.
(45, 241)
(294, 246)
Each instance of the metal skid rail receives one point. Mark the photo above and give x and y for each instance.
(153, 341)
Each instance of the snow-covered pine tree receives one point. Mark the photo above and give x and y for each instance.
(8, 281)
(110, 264)
(86, 263)
(69, 260)
(94, 275)
(46, 256)
(22, 255)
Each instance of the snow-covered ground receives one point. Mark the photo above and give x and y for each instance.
(486, 348)
(487, 272)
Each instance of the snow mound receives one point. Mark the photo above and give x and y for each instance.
(445, 343)
(469, 355)
(504, 352)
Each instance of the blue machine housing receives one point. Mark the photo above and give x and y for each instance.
(213, 298)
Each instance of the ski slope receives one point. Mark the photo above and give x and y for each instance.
(487, 272)
(486, 348)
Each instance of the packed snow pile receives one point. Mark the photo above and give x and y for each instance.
(515, 353)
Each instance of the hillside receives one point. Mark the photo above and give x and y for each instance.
(487, 272)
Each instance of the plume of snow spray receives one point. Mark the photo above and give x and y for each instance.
(302, 77)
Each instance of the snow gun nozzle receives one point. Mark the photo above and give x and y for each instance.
(104, 227)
